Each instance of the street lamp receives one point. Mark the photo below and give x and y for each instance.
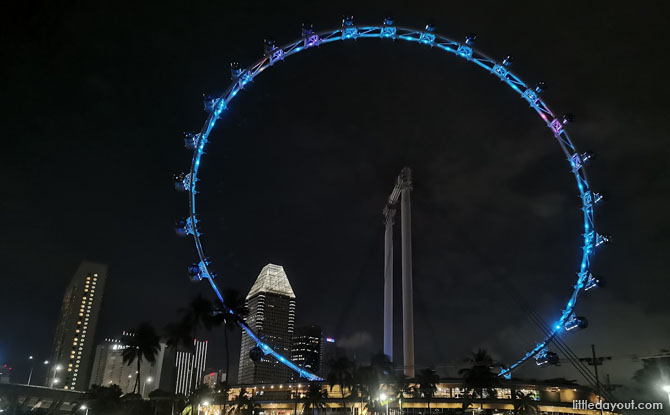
(32, 365)
(383, 401)
(144, 385)
(57, 368)
(666, 389)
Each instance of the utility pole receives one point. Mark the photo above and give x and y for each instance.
(595, 362)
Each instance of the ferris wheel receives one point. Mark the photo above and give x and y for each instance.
(567, 319)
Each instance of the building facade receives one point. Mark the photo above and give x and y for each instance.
(213, 378)
(306, 349)
(271, 306)
(73, 346)
(109, 369)
(450, 398)
(328, 352)
(190, 367)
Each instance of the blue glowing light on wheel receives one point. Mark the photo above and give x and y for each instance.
(241, 77)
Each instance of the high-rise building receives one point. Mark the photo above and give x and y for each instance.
(109, 369)
(73, 344)
(328, 352)
(306, 349)
(213, 378)
(271, 306)
(191, 367)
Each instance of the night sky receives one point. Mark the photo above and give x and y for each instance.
(96, 97)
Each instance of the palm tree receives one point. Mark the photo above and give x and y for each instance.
(243, 404)
(340, 374)
(235, 307)
(202, 313)
(199, 395)
(314, 398)
(143, 344)
(104, 399)
(524, 405)
(478, 376)
(223, 389)
(368, 383)
(426, 381)
(382, 364)
(179, 335)
(402, 387)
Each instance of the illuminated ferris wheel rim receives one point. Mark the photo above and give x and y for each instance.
(310, 39)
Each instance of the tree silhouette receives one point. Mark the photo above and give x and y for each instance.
(478, 375)
(144, 343)
(340, 374)
(426, 383)
(314, 398)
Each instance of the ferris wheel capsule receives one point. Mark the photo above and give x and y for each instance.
(568, 118)
(546, 358)
(182, 181)
(235, 71)
(256, 354)
(593, 282)
(576, 322)
(306, 29)
(194, 273)
(508, 60)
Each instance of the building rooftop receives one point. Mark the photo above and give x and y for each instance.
(272, 279)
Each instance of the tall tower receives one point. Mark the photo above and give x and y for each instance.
(271, 305)
(405, 182)
(401, 191)
(73, 346)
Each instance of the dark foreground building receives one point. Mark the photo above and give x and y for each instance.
(450, 398)
(306, 349)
